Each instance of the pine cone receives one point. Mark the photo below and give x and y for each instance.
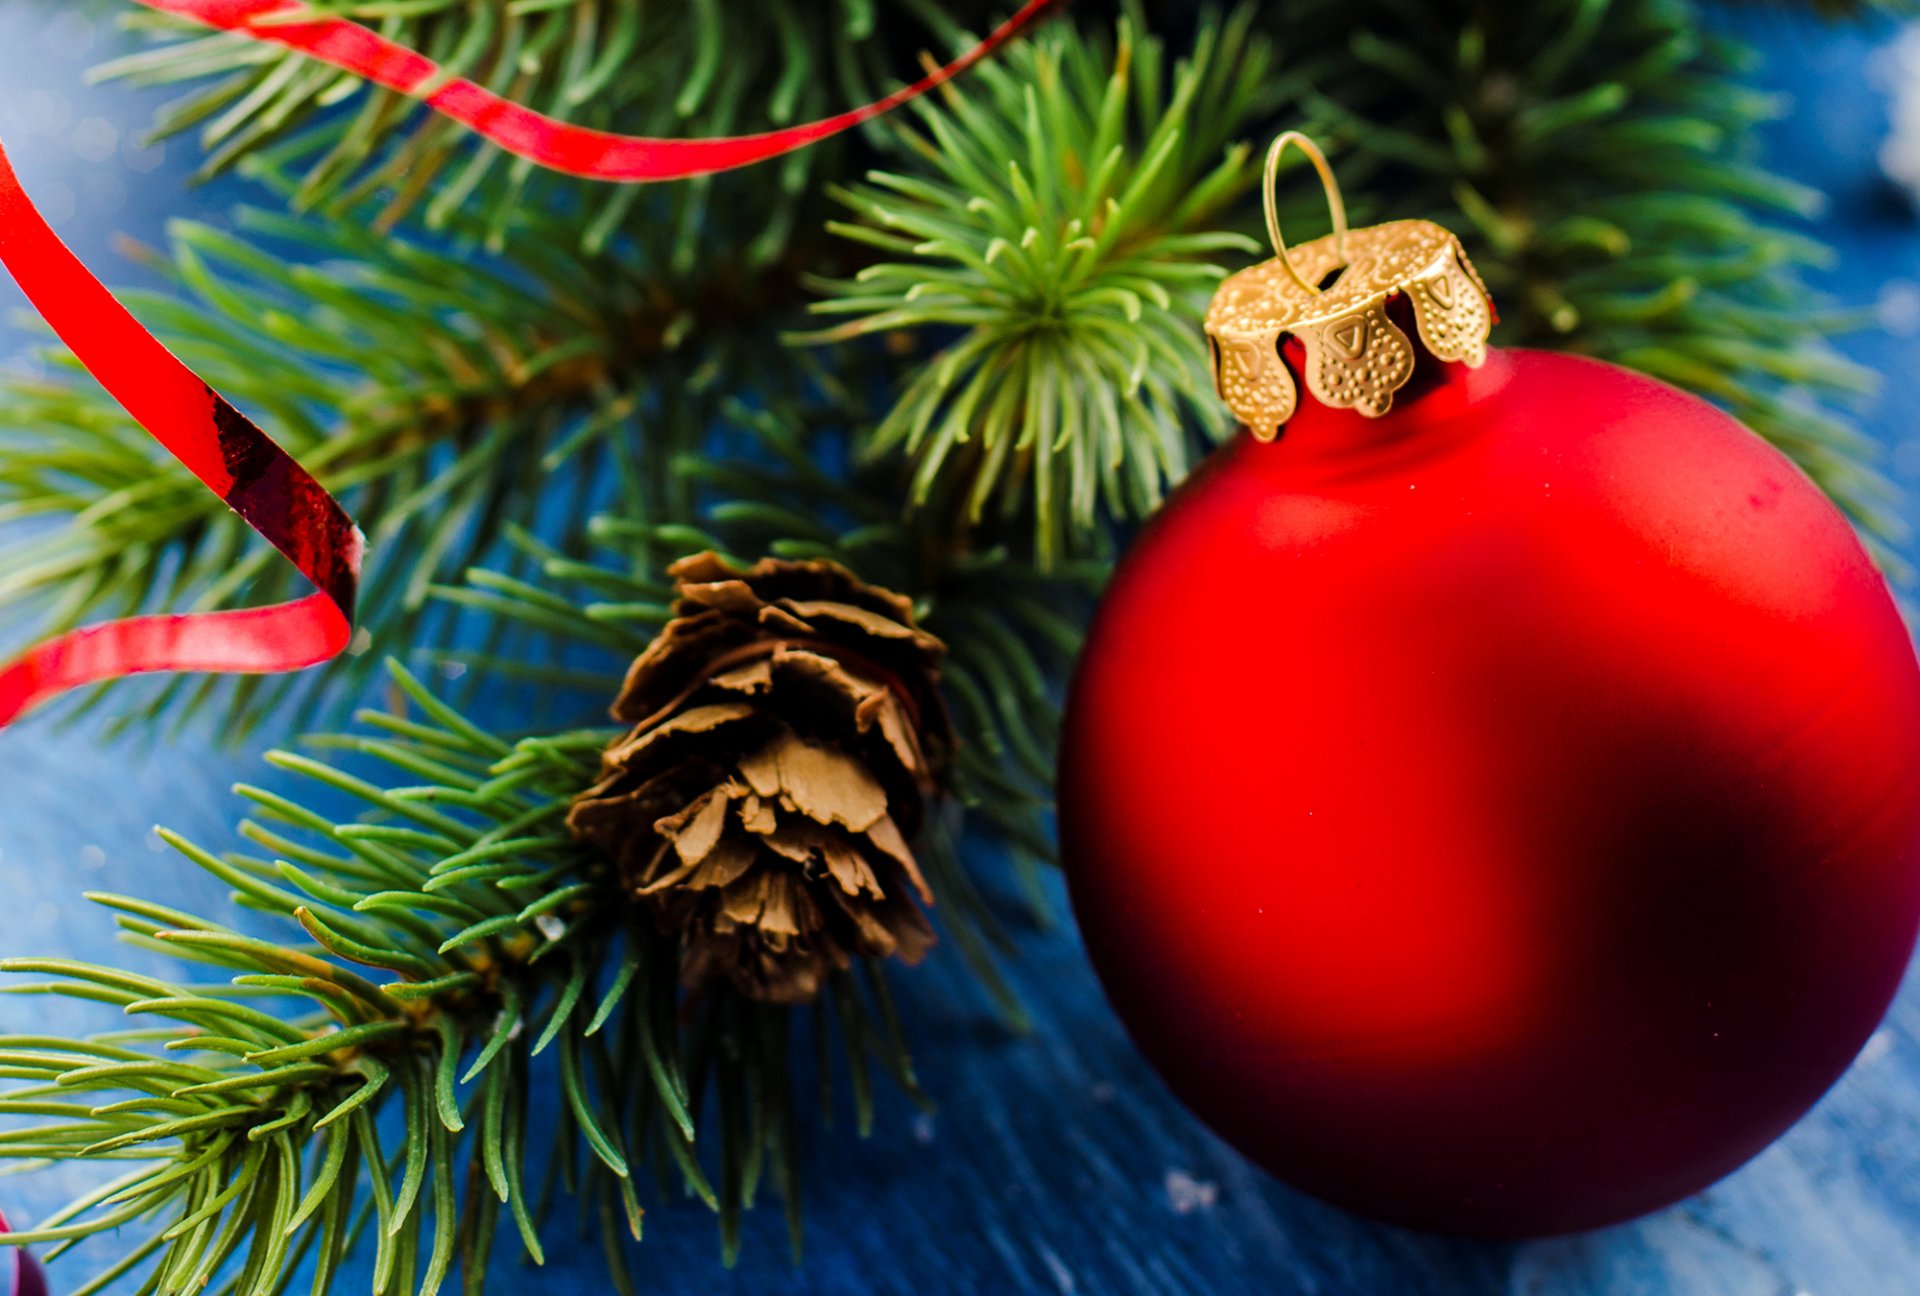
(787, 732)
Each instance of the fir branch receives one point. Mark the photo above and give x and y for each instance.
(776, 486)
(439, 392)
(364, 1083)
(1600, 159)
(1058, 228)
(704, 68)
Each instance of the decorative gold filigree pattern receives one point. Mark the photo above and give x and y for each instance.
(1356, 356)
(1253, 379)
(1358, 360)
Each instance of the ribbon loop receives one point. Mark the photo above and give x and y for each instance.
(219, 445)
(234, 458)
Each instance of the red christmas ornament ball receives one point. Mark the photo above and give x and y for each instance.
(1501, 817)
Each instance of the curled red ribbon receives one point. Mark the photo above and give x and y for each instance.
(561, 146)
(237, 461)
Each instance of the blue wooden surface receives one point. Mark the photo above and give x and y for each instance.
(1057, 1163)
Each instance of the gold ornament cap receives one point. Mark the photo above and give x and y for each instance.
(1357, 357)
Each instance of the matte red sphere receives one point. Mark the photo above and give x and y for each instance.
(1502, 817)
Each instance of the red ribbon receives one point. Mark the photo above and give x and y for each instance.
(561, 146)
(236, 460)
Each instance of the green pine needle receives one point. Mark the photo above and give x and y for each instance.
(438, 391)
(1012, 630)
(393, 1052)
(706, 67)
(1057, 235)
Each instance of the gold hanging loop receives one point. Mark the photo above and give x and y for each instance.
(1335, 203)
(1354, 352)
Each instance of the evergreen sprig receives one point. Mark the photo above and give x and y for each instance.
(368, 1076)
(780, 486)
(412, 976)
(1057, 229)
(451, 395)
(452, 934)
(706, 67)
(443, 394)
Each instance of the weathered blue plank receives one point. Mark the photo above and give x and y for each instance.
(1057, 1163)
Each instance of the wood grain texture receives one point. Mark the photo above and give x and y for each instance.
(1057, 1163)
